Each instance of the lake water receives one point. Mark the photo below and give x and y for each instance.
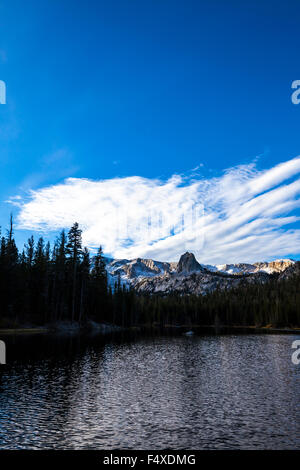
(176, 392)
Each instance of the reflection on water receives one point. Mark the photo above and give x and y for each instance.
(201, 392)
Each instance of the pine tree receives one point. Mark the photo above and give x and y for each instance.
(59, 286)
(99, 278)
(85, 272)
(29, 251)
(74, 252)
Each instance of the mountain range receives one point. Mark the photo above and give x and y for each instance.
(188, 276)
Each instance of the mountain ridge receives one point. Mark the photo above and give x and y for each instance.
(188, 275)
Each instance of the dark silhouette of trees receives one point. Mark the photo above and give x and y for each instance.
(75, 255)
(40, 285)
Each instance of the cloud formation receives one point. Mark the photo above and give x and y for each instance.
(243, 215)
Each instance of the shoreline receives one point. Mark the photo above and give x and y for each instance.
(10, 331)
(241, 328)
(109, 329)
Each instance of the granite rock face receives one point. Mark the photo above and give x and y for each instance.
(188, 264)
(194, 283)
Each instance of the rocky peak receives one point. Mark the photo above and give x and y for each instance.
(188, 263)
(277, 266)
(292, 270)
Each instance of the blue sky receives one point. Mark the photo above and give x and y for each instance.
(103, 90)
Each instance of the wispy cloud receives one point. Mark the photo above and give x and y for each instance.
(58, 164)
(243, 215)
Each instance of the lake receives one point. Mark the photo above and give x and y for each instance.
(150, 392)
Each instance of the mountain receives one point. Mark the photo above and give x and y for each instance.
(276, 266)
(290, 271)
(132, 269)
(271, 267)
(194, 283)
(188, 264)
(188, 275)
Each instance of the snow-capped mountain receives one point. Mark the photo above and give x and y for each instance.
(188, 275)
(271, 267)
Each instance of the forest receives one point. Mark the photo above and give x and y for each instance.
(44, 285)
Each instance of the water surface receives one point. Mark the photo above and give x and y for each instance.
(200, 392)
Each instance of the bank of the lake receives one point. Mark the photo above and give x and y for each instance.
(103, 328)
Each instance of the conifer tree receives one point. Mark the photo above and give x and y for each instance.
(74, 252)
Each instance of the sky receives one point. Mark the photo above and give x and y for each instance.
(160, 126)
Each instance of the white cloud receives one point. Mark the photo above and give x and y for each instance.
(246, 214)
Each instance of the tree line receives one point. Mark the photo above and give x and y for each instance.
(274, 303)
(42, 285)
